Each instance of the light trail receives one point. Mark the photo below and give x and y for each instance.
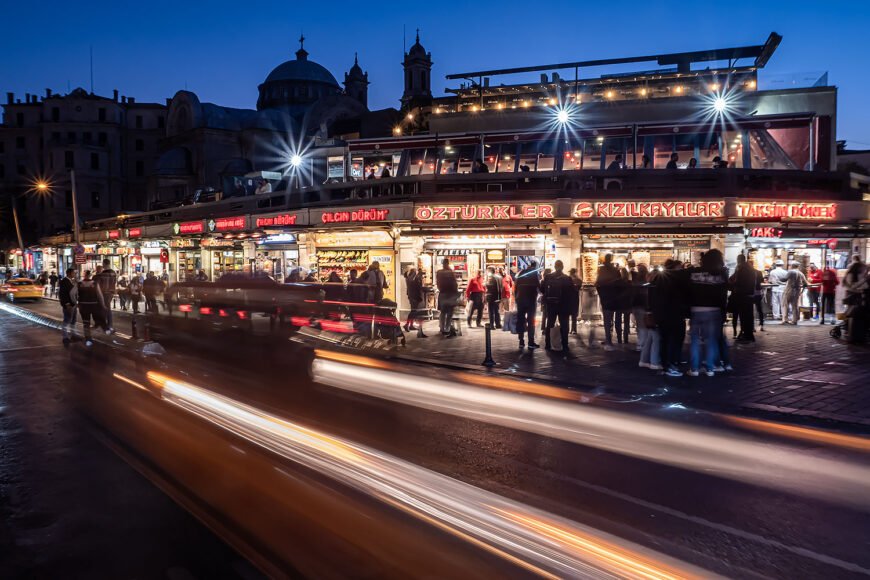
(701, 449)
(802, 433)
(538, 542)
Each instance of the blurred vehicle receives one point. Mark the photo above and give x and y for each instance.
(21, 289)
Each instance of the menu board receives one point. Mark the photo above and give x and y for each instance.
(589, 267)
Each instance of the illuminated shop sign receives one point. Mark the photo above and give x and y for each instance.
(227, 224)
(765, 233)
(789, 210)
(134, 232)
(355, 216)
(188, 228)
(649, 209)
(285, 219)
(489, 211)
(113, 234)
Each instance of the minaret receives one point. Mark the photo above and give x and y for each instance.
(356, 83)
(418, 72)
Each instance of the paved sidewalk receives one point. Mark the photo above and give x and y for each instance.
(799, 373)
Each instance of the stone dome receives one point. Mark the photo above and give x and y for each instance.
(301, 70)
(296, 82)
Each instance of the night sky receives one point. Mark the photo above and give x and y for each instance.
(223, 50)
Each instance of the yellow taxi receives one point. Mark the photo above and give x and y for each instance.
(21, 289)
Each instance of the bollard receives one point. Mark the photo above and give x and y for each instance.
(134, 330)
(488, 362)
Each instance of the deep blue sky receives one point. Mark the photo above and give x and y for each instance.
(223, 50)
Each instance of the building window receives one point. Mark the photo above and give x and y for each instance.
(19, 142)
(71, 137)
(2, 171)
(140, 145)
(55, 114)
(55, 136)
(161, 122)
(68, 159)
(22, 170)
(101, 113)
(19, 119)
(67, 195)
(95, 199)
(95, 160)
(140, 168)
(139, 122)
(102, 138)
(86, 137)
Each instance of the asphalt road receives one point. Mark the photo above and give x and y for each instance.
(731, 528)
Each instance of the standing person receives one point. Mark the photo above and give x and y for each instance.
(650, 351)
(544, 302)
(814, 277)
(639, 278)
(758, 297)
(556, 290)
(708, 297)
(575, 298)
(376, 282)
(494, 288)
(448, 293)
(609, 286)
(743, 283)
(830, 281)
(416, 297)
(672, 164)
(776, 279)
(108, 280)
(356, 291)
(123, 291)
(526, 289)
(150, 288)
(334, 287)
(201, 276)
(135, 291)
(91, 305)
(795, 283)
(53, 280)
(668, 303)
(507, 289)
(68, 297)
(475, 292)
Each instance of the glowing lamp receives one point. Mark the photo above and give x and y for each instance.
(296, 160)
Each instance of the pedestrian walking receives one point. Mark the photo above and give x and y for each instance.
(556, 290)
(123, 291)
(68, 298)
(610, 286)
(135, 291)
(53, 280)
(575, 298)
(814, 290)
(743, 284)
(475, 293)
(448, 294)
(91, 306)
(758, 297)
(416, 298)
(830, 281)
(708, 298)
(150, 288)
(776, 279)
(494, 289)
(376, 282)
(795, 283)
(669, 306)
(527, 286)
(107, 279)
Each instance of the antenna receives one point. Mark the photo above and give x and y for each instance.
(92, 69)
(404, 42)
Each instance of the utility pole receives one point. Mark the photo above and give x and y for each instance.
(17, 227)
(75, 206)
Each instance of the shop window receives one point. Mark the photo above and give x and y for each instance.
(592, 151)
(501, 158)
(457, 159)
(614, 146)
(781, 148)
(538, 155)
(379, 166)
(421, 161)
(572, 157)
(357, 168)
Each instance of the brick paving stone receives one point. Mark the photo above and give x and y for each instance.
(798, 372)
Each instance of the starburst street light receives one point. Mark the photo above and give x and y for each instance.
(720, 104)
(295, 160)
(562, 116)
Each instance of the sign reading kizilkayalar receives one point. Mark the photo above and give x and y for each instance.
(649, 209)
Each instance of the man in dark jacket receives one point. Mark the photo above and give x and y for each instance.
(708, 298)
(743, 284)
(527, 286)
(90, 305)
(668, 303)
(68, 297)
(107, 279)
(611, 287)
(494, 288)
(557, 289)
(416, 299)
(448, 294)
(376, 282)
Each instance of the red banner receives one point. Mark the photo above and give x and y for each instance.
(285, 219)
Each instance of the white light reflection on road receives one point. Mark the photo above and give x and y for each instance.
(539, 542)
(700, 449)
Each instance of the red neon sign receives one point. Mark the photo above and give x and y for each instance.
(650, 209)
(226, 224)
(189, 228)
(492, 211)
(359, 215)
(790, 210)
(285, 219)
(114, 234)
(765, 233)
(134, 232)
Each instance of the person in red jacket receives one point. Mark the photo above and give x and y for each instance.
(475, 292)
(814, 277)
(507, 289)
(829, 289)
